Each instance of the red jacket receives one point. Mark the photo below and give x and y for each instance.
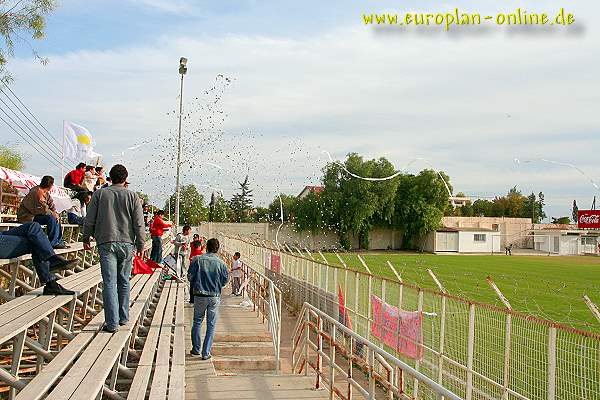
(74, 177)
(196, 251)
(158, 227)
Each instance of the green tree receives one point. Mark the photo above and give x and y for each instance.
(241, 203)
(421, 201)
(308, 213)
(352, 205)
(221, 211)
(145, 198)
(482, 208)
(533, 207)
(18, 21)
(10, 158)
(288, 202)
(191, 206)
(575, 212)
(561, 220)
(260, 214)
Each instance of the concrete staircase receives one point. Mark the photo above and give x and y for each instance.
(262, 387)
(243, 343)
(243, 362)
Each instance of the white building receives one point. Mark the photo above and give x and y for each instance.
(566, 242)
(463, 240)
(459, 201)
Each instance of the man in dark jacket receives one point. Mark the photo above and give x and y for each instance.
(114, 218)
(207, 276)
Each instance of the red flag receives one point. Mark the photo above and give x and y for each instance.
(140, 267)
(343, 315)
(152, 264)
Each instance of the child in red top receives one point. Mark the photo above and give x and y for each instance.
(196, 247)
(157, 229)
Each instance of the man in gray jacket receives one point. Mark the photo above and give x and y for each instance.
(115, 219)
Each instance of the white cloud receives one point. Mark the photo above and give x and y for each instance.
(470, 105)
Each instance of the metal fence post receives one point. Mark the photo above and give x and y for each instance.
(369, 308)
(332, 362)
(307, 341)
(552, 363)
(418, 363)
(470, 351)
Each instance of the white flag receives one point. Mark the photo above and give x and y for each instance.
(78, 144)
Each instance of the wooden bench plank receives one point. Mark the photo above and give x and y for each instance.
(68, 281)
(28, 313)
(139, 385)
(177, 380)
(87, 376)
(160, 379)
(179, 332)
(73, 378)
(93, 382)
(37, 388)
(19, 318)
(177, 383)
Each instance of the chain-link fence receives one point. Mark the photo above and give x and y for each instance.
(476, 350)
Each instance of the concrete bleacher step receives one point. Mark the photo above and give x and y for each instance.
(243, 337)
(262, 387)
(243, 349)
(243, 363)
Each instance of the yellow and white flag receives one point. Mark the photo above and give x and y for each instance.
(78, 143)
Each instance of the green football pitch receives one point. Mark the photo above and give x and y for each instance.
(549, 287)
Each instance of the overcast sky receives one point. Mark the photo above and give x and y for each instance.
(302, 77)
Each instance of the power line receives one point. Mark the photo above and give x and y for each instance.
(40, 144)
(31, 144)
(33, 115)
(42, 140)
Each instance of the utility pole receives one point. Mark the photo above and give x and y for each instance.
(182, 72)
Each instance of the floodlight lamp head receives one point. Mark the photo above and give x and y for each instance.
(182, 65)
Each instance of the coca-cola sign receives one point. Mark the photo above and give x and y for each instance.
(588, 219)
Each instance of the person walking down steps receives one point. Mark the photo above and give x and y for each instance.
(207, 275)
(236, 274)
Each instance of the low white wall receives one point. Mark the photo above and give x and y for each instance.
(467, 243)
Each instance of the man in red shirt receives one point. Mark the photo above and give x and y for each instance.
(157, 229)
(74, 179)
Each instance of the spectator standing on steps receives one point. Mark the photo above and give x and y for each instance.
(236, 274)
(157, 230)
(114, 218)
(181, 244)
(207, 275)
(38, 206)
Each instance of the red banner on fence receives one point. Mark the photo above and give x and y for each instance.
(399, 330)
(343, 316)
(275, 263)
(588, 219)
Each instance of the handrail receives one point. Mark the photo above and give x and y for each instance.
(374, 353)
(262, 290)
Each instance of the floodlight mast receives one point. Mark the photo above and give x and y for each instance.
(182, 72)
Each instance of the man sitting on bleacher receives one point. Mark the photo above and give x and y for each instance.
(30, 238)
(38, 206)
